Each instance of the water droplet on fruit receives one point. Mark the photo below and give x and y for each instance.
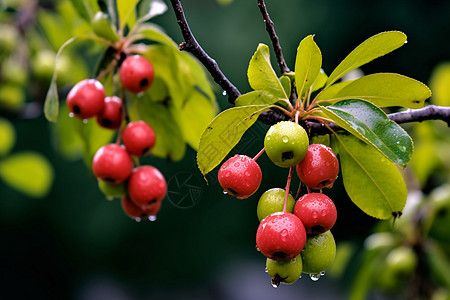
(243, 158)
(71, 115)
(257, 249)
(266, 270)
(285, 139)
(323, 212)
(236, 164)
(274, 285)
(284, 233)
(85, 121)
(227, 174)
(152, 218)
(314, 277)
(224, 93)
(314, 214)
(225, 192)
(137, 219)
(322, 273)
(247, 173)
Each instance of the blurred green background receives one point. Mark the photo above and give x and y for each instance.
(74, 244)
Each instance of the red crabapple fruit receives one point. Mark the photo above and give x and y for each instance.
(136, 73)
(320, 167)
(138, 137)
(281, 236)
(86, 99)
(240, 176)
(316, 211)
(146, 186)
(112, 163)
(111, 115)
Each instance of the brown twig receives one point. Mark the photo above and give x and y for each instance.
(430, 112)
(191, 45)
(273, 37)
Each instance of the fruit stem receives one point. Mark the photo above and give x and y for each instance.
(259, 154)
(288, 184)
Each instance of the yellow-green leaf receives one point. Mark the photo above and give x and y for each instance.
(7, 136)
(223, 133)
(255, 98)
(127, 14)
(307, 64)
(372, 48)
(27, 172)
(372, 182)
(261, 75)
(385, 89)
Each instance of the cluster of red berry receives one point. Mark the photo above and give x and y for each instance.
(142, 188)
(294, 235)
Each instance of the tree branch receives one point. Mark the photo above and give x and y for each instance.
(430, 112)
(273, 37)
(191, 45)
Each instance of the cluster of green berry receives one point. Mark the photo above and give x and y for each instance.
(294, 235)
(141, 188)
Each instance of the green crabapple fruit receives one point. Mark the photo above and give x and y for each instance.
(138, 137)
(86, 99)
(284, 271)
(320, 167)
(136, 73)
(319, 253)
(146, 186)
(111, 114)
(138, 213)
(112, 163)
(399, 266)
(317, 212)
(240, 176)
(440, 205)
(280, 236)
(286, 143)
(272, 201)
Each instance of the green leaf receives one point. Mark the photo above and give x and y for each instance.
(51, 105)
(28, 172)
(372, 182)
(370, 124)
(261, 75)
(372, 48)
(439, 84)
(320, 81)
(149, 9)
(7, 136)
(438, 262)
(255, 98)
(331, 91)
(125, 9)
(86, 8)
(154, 33)
(286, 83)
(385, 89)
(169, 139)
(192, 127)
(307, 64)
(223, 133)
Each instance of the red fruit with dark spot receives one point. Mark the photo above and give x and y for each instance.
(317, 212)
(146, 186)
(240, 176)
(112, 163)
(281, 236)
(111, 115)
(139, 138)
(136, 73)
(137, 213)
(86, 99)
(320, 167)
